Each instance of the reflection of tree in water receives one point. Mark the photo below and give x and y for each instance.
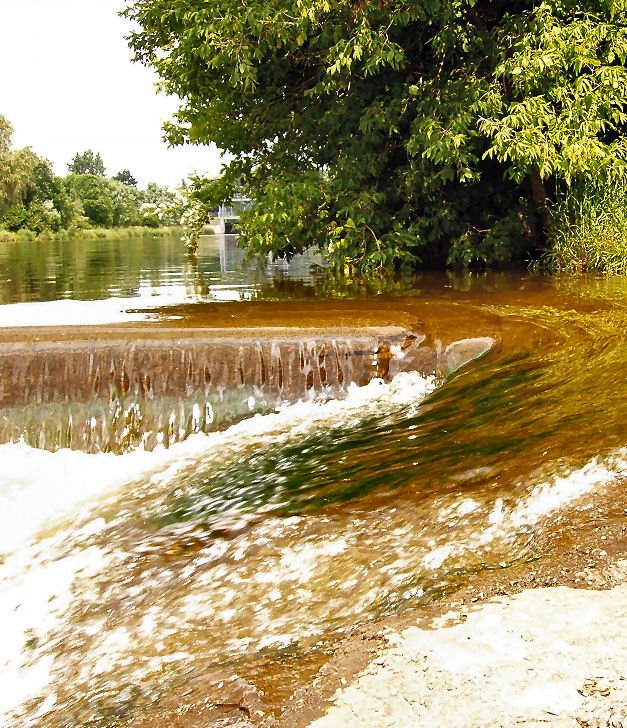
(86, 269)
(324, 282)
(97, 269)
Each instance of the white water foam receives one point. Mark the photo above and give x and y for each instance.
(504, 523)
(34, 599)
(39, 487)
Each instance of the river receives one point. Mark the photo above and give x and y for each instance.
(381, 445)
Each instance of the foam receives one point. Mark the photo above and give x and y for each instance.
(505, 523)
(39, 487)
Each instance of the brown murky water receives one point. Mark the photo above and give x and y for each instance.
(235, 559)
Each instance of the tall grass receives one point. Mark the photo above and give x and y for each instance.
(589, 232)
(90, 234)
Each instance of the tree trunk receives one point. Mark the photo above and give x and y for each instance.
(540, 200)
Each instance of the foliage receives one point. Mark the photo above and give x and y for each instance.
(160, 206)
(92, 195)
(590, 234)
(126, 201)
(87, 162)
(126, 178)
(391, 133)
(34, 201)
(111, 203)
(46, 188)
(31, 195)
(122, 233)
(37, 217)
(16, 167)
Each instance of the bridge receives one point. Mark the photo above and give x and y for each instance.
(225, 221)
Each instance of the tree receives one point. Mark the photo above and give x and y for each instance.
(47, 190)
(393, 132)
(6, 134)
(93, 193)
(31, 195)
(87, 163)
(16, 166)
(126, 178)
(160, 206)
(126, 203)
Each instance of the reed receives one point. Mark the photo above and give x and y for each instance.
(589, 232)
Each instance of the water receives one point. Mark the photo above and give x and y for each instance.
(135, 583)
(139, 272)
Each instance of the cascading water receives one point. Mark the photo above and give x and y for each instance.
(376, 469)
(116, 394)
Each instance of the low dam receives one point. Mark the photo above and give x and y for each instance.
(121, 389)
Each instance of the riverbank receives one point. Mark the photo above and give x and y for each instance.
(556, 656)
(540, 643)
(7, 236)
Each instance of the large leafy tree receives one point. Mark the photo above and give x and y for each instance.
(47, 190)
(93, 195)
(395, 131)
(31, 194)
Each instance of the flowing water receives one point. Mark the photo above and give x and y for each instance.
(418, 432)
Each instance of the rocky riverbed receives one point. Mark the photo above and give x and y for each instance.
(541, 643)
(554, 656)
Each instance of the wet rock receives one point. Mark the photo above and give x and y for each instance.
(240, 695)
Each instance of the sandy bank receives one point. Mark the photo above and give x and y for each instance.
(553, 656)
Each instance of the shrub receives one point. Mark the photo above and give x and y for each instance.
(25, 234)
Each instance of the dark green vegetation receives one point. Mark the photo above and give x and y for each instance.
(425, 131)
(34, 201)
(87, 163)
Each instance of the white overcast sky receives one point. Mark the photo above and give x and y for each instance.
(67, 84)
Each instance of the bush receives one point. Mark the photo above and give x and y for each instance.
(94, 195)
(8, 236)
(15, 217)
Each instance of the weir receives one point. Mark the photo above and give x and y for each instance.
(115, 389)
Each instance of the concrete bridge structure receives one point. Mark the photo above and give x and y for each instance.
(225, 222)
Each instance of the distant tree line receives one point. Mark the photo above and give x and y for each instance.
(34, 198)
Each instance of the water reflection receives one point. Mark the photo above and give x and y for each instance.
(143, 268)
(144, 273)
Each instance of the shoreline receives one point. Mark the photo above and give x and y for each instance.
(138, 232)
(541, 656)
(581, 570)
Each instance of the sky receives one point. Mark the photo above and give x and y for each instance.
(67, 84)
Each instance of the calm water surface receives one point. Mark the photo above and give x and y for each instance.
(91, 270)
(133, 584)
